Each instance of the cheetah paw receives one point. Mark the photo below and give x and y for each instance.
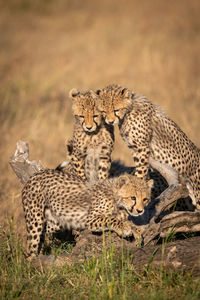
(129, 229)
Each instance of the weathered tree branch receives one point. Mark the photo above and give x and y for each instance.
(167, 199)
(160, 205)
(20, 163)
(185, 221)
(166, 171)
(171, 176)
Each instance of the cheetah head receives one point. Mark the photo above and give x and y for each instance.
(85, 110)
(133, 193)
(113, 102)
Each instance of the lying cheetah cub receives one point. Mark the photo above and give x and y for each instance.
(150, 133)
(91, 136)
(54, 200)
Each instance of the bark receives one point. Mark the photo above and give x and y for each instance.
(180, 222)
(181, 255)
(170, 175)
(160, 205)
(20, 163)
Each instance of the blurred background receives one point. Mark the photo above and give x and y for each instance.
(48, 47)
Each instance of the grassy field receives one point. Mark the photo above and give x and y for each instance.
(47, 48)
(105, 277)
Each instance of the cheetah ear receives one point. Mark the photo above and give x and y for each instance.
(132, 94)
(95, 94)
(122, 180)
(126, 93)
(98, 92)
(73, 93)
(123, 91)
(150, 183)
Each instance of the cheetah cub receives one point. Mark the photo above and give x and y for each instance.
(54, 200)
(91, 136)
(150, 133)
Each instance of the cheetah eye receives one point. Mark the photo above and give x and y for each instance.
(81, 117)
(116, 110)
(145, 200)
(133, 198)
(95, 116)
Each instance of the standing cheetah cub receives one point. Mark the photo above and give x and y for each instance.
(150, 133)
(54, 200)
(91, 136)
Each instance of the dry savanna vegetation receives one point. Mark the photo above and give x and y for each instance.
(49, 47)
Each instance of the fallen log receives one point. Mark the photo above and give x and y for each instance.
(185, 221)
(181, 255)
(158, 206)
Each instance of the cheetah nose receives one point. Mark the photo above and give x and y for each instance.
(139, 211)
(89, 127)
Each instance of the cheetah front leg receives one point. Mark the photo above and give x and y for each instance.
(97, 164)
(104, 167)
(51, 227)
(104, 162)
(104, 223)
(138, 138)
(141, 156)
(79, 165)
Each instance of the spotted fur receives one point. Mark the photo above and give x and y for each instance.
(91, 136)
(149, 132)
(54, 200)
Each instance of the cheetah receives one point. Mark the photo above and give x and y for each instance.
(160, 184)
(117, 168)
(54, 200)
(91, 136)
(157, 172)
(150, 133)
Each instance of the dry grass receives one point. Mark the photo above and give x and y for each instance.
(46, 49)
(110, 276)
